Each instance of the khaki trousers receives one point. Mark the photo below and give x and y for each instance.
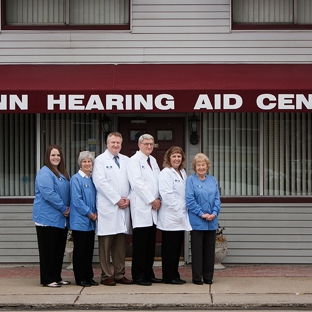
(114, 246)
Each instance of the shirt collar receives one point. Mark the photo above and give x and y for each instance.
(82, 174)
(143, 155)
(111, 155)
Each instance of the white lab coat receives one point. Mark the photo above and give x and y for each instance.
(144, 189)
(173, 215)
(111, 184)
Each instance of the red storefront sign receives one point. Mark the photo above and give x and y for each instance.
(174, 88)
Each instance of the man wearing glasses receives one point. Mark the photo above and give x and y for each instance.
(143, 174)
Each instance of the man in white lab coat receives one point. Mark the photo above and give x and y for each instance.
(113, 188)
(143, 176)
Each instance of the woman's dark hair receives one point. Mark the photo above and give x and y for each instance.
(61, 166)
(169, 152)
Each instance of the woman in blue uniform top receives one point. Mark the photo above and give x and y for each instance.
(82, 220)
(203, 203)
(51, 208)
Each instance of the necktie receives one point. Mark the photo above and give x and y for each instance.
(149, 162)
(116, 161)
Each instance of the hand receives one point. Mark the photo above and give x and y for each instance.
(208, 217)
(123, 203)
(93, 216)
(66, 212)
(156, 204)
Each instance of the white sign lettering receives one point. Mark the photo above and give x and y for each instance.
(229, 101)
(152, 102)
(284, 101)
(129, 102)
(14, 101)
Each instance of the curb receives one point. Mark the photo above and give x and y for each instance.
(152, 307)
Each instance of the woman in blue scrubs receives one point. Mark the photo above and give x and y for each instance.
(50, 211)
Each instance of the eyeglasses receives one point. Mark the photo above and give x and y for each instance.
(148, 144)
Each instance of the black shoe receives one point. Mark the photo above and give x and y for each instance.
(197, 282)
(208, 281)
(92, 282)
(181, 280)
(175, 282)
(142, 282)
(84, 284)
(156, 280)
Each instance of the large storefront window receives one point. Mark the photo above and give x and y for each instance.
(18, 154)
(18, 146)
(266, 154)
(231, 141)
(73, 133)
(287, 154)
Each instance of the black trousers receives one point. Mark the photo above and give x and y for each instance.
(51, 244)
(203, 254)
(143, 252)
(83, 255)
(171, 246)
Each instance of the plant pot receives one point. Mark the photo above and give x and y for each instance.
(221, 251)
(69, 254)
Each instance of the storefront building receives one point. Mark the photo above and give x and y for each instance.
(186, 73)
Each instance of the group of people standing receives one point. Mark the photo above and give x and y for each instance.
(114, 195)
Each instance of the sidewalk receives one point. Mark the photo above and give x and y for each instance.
(237, 286)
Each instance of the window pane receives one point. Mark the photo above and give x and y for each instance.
(304, 12)
(164, 135)
(263, 11)
(18, 154)
(231, 141)
(73, 133)
(35, 12)
(287, 154)
(81, 12)
(135, 134)
(101, 12)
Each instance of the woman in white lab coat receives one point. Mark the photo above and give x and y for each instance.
(173, 218)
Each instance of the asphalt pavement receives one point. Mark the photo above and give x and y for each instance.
(236, 287)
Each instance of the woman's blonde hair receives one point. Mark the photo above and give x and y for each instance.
(201, 157)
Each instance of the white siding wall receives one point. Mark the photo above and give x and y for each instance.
(18, 239)
(174, 31)
(256, 233)
(268, 233)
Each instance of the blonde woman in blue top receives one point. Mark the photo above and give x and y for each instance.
(203, 203)
(50, 210)
(82, 220)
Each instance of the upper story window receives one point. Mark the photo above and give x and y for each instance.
(272, 14)
(66, 14)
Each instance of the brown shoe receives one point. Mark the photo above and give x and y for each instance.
(124, 280)
(108, 282)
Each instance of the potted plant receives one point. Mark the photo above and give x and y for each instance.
(69, 249)
(221, 249)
